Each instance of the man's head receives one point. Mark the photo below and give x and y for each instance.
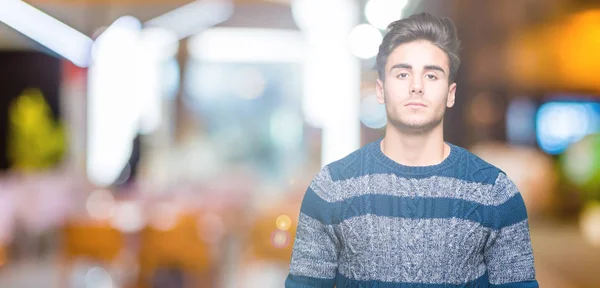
(417, 63)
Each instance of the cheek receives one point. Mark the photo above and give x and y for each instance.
(395, 92)
(437, 94)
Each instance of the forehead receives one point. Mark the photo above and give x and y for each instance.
(418, 54)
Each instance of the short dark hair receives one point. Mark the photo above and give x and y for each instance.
(441, 32)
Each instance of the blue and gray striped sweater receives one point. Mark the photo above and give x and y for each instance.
(368, 221)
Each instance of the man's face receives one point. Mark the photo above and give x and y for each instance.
(416, 89)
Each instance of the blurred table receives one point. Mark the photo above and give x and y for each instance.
(562, 257)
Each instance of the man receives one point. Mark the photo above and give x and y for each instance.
(411, 210)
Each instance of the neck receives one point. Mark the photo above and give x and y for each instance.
(424, 149)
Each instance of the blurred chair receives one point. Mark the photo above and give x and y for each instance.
(178, 248)
(93, 240)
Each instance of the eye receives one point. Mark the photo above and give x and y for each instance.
(402, 75)
(431, 77)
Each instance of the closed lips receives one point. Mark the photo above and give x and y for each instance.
(415, 104)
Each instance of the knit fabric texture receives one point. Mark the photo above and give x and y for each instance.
(368, 221)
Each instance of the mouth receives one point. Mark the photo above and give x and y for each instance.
(415, 104)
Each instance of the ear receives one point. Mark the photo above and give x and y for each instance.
(379, 89)
(451, 95)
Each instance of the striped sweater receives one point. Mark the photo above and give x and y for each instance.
(368, 221)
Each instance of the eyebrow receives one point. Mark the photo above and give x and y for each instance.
(427, 67)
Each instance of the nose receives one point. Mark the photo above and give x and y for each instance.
(417, 87)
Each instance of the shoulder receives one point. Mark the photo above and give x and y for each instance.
(472, 168)
(500, 191)
(353, 165)
(505, 190)
(498, 187)
(325, 183)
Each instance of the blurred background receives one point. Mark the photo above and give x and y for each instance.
(169, 143)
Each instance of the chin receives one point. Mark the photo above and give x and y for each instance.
(415, 125)
(418, 126)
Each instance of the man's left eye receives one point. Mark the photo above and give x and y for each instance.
(431, 77)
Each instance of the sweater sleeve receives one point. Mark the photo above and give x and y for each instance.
(316, 247)
(508, 253)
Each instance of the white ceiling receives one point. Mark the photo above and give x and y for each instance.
(88, 18)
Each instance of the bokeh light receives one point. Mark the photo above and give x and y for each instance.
(165, 216)
(283, 222)
(317, 16)
(364, 41)
(100, 204)
(127, 217)
(581, 163)
(372, 114)
(380, 13)
(560, 124)
(97, 277)
(280, 239)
